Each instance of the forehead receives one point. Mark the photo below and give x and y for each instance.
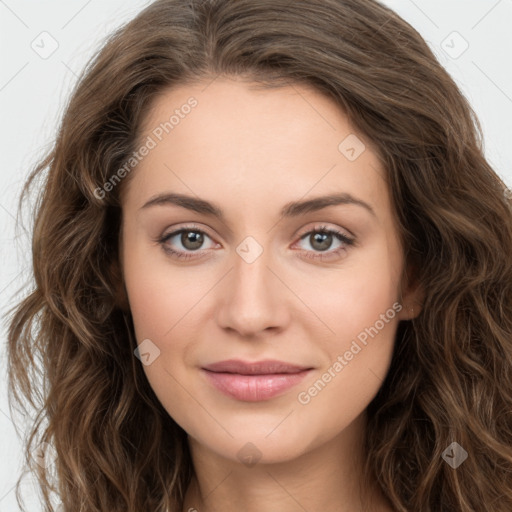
(230, 139)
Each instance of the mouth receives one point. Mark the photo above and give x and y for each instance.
(254, 382)
(266, 367)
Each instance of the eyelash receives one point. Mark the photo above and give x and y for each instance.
(320, 256)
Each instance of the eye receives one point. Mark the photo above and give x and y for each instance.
(321, 239)
(192, 239)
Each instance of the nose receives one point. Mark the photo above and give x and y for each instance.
(253, 298)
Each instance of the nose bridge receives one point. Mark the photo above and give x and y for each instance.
(251, 297)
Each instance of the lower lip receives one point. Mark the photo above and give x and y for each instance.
(254, 388)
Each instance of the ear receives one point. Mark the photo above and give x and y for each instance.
(412, 294)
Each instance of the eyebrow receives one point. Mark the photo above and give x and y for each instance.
(292, 209)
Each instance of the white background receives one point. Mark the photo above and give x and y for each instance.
(33, 91)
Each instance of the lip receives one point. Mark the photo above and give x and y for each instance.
(268, 366)
(254, 382)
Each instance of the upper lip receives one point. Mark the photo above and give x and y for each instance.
(255, 368)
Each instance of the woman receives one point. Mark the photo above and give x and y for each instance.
(200, 351)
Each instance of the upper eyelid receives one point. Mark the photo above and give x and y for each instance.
(324, 227)
(176, 231)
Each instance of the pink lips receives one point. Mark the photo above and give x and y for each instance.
(254, 382)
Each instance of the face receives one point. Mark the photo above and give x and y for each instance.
(228, 254)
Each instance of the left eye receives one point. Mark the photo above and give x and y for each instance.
(192, 239)
(324, 237)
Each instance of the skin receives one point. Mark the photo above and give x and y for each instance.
(250, 152)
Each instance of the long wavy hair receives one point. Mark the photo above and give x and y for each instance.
(71, 339)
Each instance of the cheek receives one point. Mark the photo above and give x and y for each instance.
(360, 305)
(352, 298)
(162, 302)
(161, 295)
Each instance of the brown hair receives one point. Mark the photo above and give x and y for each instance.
(451, 375)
